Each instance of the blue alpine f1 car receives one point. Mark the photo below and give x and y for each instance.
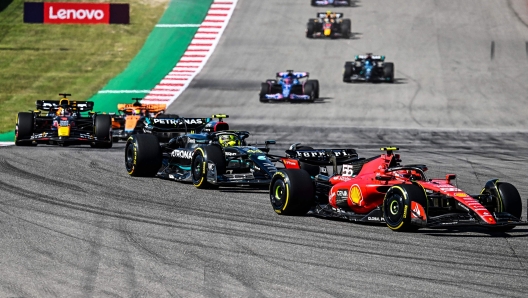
(331, 2)
(289, 86)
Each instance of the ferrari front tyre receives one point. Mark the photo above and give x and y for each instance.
(388, 71)
(397, 206)
(291, 192)
(103, 131)
(509, 201)
(142, 155)
(202, 158)
(347, 72)
(264, 89)
(24, 129)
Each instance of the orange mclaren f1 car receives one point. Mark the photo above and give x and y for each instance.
(130, 116)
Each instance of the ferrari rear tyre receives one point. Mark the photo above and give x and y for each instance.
(291, 192)
(24, 129)
(142, 155)
(397, 206)
(388, 71)
(103, 131)
(264, 89)
(202, 158)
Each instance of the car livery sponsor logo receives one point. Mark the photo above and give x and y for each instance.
(181, 154)
(355, 195)
(76, 13)
(177, 121)
(342, 193)
(337, 153)
(230, 153)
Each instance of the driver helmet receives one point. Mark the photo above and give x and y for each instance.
(136, 112)
(65, 111)
(287, 80)
(229, 140)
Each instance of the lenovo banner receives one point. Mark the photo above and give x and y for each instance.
(76, 13)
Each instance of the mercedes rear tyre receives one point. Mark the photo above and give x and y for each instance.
(397, 206)
(388, 72)
(206, 159)
(142, 155)
(292, 192)
(24, 129)
(347, 72)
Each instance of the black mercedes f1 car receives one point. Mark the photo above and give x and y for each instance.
(209, 157)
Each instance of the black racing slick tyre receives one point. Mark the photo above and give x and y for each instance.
(264, 89)
(347, 72)
(397, 206)
(315, 83)
(346, 28)
(310, 28)
(202, 161)
(388, 71)
(103, 131)
(142, 155)
(24, 129)
(509, 201)
(309, 90)
(291, 192)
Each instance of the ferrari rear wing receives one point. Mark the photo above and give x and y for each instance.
(324, 157)
(78, 106)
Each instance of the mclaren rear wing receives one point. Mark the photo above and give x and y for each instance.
(152, 108)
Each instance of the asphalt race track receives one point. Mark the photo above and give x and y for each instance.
(74, 224)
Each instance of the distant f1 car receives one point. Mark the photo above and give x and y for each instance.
(288, 86)
(216, 156)
(368, 68)
(130, 118)
(329, 24)
(62, 123)
(331, 2)
(381, 190)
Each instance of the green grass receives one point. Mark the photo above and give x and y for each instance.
(40, 61)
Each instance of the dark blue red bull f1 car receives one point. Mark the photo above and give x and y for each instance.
(289, 86)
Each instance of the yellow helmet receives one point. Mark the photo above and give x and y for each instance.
(229, 140)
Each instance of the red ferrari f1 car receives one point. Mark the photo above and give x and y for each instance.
(380, 189)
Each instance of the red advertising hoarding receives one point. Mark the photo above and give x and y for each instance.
(76, 13)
